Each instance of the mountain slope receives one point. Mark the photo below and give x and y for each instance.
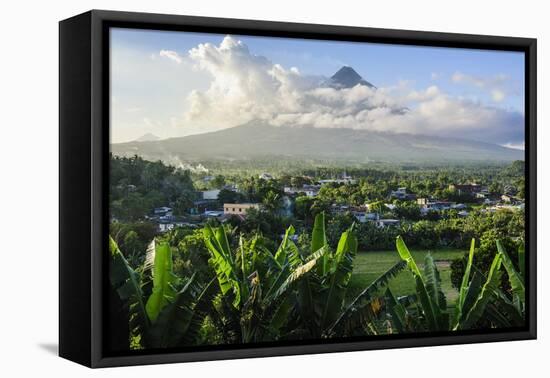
(257, 140)
(346, 77)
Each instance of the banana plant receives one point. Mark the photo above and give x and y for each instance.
(428, 289)
(258, 284)
(361, 314)
(174, 312)
(476, 295)
(509, 309)
(322, 293)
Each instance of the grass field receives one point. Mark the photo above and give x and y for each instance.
(370, 265)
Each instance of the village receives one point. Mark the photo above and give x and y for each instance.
(208, 206)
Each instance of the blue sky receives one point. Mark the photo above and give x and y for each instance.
(492, 79)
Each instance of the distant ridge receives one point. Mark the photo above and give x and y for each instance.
(256, 140)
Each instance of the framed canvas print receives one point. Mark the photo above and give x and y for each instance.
(234, 188)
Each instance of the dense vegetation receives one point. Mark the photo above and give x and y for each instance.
(242, 291)
(288, 269)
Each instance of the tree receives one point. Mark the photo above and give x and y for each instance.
(229, 196)
(303, 208)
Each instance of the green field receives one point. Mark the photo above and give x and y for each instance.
(370, 265)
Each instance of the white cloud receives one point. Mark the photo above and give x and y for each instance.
(246, 87)
(172, 55)
(515, 146)
(496, 86)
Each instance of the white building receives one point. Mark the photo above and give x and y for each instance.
(308, 190)
(265, 176)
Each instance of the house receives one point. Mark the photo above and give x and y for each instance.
(211, 195)
(344, 179)
(470, 189)
(508, 207)
(363, 217)
(387, 222)
(239, 208)
(265, 176)
(401, 194)
(163, 212)
(213, 213)
(308, 190)
(427, 205)
(167, 225)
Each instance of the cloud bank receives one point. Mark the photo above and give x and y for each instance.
(246, 87)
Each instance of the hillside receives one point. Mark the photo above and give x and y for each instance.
(256, 140)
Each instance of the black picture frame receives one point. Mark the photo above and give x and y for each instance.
(83, 179)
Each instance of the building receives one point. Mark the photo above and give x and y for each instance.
(211, 195)
(167, 225)
(239, 208)
(213, 213)
(401, 194)
(427, 205)
(470, 189)
(363, 216)
(308, 190)
(163, 212)
(343, 179)
(265, 176)
(387, 222)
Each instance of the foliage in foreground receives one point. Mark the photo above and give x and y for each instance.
(481, 300)
(252, 291)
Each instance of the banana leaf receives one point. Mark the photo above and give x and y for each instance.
(367, 295)
(488, 292)
(297, 274)
(282, 252)
(397, 312)
(521, 258)
(163, 281)
(339, 278)
(179, 323)
(465, 282)
(428, 308)
(126, 282)
(319, 240)
(222, 262)
(516, 280)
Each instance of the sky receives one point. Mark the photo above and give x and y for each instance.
(174, 84)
